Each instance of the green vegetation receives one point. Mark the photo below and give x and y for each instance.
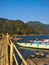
(21, 28)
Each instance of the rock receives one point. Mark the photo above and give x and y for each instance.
(37, 61)
(47, 55)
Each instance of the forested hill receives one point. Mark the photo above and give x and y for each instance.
(21, 28)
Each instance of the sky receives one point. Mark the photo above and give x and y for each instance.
(25, 10)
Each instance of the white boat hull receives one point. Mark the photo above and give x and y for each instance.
(32, 45)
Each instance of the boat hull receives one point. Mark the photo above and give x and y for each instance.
(39, 46)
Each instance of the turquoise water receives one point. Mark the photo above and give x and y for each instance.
(27, 52)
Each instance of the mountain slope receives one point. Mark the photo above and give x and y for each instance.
(19, 27)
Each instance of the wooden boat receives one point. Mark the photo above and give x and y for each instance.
(16, 39)
(35, 45)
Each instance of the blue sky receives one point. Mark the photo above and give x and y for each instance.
(25, 10)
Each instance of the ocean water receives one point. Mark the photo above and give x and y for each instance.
(26, 38)
(27, 52)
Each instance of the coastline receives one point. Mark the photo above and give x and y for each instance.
(30, 35)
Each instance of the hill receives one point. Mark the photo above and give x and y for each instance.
(21, 28)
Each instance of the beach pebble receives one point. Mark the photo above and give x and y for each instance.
(47, 55)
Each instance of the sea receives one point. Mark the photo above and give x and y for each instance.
(28, 52)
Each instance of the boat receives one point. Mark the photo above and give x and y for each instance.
(41, 41)
(35, 45)
(16, 39)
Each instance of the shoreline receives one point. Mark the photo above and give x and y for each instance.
(30, 35)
